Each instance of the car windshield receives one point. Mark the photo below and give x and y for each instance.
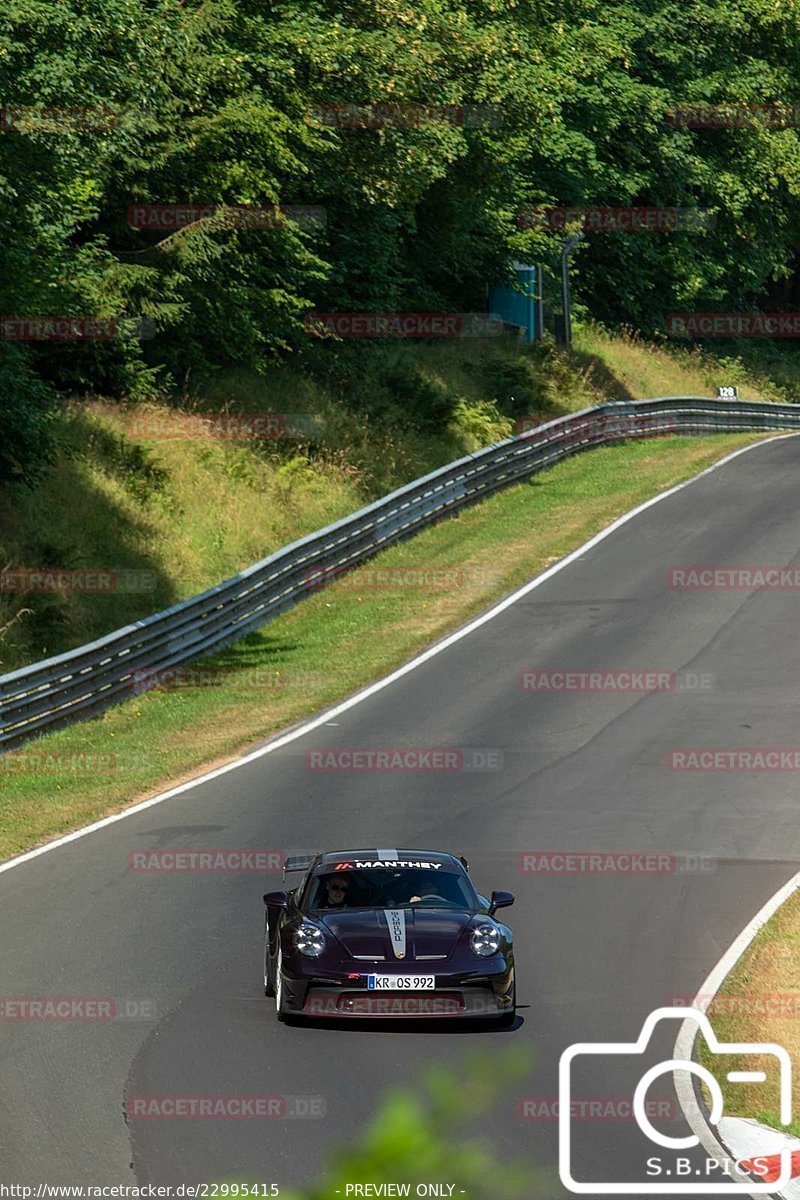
(387, 887)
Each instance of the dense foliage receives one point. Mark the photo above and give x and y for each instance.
(218, 102)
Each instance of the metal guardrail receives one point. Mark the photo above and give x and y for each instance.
(85, 681)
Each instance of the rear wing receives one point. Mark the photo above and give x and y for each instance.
(298, 862)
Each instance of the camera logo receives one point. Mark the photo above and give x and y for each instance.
(684, 1174)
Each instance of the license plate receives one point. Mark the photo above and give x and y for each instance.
(401, 983)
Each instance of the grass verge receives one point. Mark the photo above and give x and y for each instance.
(625, 366)
(333, 643)
(760, 1002)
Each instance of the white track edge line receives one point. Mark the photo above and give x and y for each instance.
(282, 740)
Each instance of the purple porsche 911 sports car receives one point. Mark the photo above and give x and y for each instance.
(387, 933)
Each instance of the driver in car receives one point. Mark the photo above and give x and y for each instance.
(431, 892)
(337, 888)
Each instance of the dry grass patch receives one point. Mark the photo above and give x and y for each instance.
(760, 1002)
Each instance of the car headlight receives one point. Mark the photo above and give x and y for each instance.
(310, 940)
(485, 940)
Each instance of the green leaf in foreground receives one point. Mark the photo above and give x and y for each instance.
(433, 1134)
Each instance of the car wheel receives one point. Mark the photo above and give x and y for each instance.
(280, 993)
(269, 976)
(507, 1019)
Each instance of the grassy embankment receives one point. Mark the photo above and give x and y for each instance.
(192, 512)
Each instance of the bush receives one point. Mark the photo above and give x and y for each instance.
(28, 419)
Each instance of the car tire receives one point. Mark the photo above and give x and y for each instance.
(269, 974)
(281, 1011)
(507, 1019)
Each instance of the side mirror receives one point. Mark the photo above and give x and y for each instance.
(276, 900)
(500, 900)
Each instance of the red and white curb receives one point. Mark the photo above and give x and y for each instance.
(758, 1148)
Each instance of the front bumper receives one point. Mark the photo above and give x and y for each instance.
(485, 992)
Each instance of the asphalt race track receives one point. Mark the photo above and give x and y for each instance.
(596, 952)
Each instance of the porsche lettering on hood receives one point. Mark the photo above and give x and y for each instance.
(396, 920)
